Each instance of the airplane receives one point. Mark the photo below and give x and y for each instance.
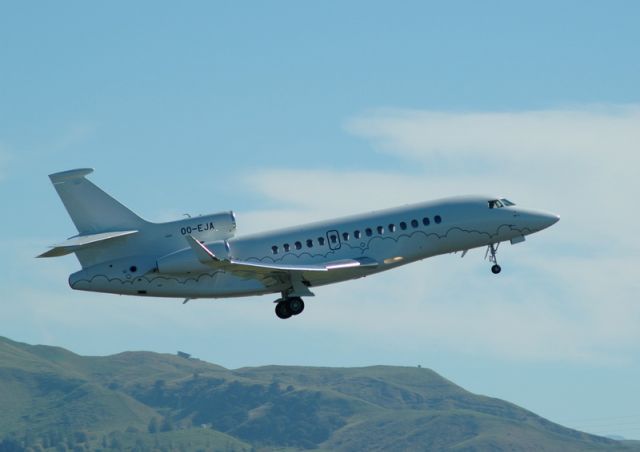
(200, 257)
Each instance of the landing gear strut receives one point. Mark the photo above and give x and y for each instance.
(492, 250)
(289, 306)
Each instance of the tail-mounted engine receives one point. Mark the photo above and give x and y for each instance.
(186, 261)
(217, 226)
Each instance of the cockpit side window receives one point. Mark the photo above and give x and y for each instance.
(497, 203)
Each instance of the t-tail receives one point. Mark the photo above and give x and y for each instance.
(100, 219)
(92, 210)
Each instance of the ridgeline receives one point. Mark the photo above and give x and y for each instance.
(53, 399)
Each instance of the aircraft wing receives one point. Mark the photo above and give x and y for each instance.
(273, 272)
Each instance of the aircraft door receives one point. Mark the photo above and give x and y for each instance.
(333, 239)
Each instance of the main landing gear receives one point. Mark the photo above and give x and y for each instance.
(289, 306)
(492, 250)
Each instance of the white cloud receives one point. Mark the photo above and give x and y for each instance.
(535, 310)
(598, 131)
(583, 160)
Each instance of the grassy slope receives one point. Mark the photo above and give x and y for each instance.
(373, 408)
(191, 439)
(408, 407)
(45, 386)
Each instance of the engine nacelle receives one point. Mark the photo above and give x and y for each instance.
(217, 226)
(186, 260)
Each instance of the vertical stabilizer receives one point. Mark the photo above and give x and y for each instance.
(91, 209)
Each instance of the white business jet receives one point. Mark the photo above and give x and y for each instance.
(199, 257)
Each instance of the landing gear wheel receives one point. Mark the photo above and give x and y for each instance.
(295, 305)
(492, 250)
(282, 310)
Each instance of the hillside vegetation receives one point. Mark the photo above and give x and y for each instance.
(53, 399)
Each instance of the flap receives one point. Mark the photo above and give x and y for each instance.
(259, 268)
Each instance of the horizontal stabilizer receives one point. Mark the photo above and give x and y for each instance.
(260, 268)
(62, 176)
(83, 241)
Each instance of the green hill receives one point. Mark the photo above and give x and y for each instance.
(54, 399)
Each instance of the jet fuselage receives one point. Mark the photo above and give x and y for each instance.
(391, 237)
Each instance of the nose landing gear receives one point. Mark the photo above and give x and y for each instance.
(289, 306)
(492, 250)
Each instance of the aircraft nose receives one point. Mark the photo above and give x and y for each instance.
(542, 220)
(535, 220)
(549, 219)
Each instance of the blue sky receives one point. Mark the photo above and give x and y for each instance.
(290, 111)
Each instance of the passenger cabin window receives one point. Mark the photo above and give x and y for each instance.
(286, 247)
(392, 227)
(426, 221)
(321, 241)
(414, 223)
(403, 225)
(369, 232)
(274, 249)
(298, 245)
(345, 236)
(309, 243)
(380, 230)
(334, 238)
(437, 219)
(357, 234)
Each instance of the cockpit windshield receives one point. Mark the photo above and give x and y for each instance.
(498, 203)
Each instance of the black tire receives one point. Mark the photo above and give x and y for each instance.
(295, 305)
(282, 310)
(496, 269)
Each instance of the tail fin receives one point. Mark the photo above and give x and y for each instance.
(91, 209)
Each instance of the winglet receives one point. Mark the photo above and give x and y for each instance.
(204, 254)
